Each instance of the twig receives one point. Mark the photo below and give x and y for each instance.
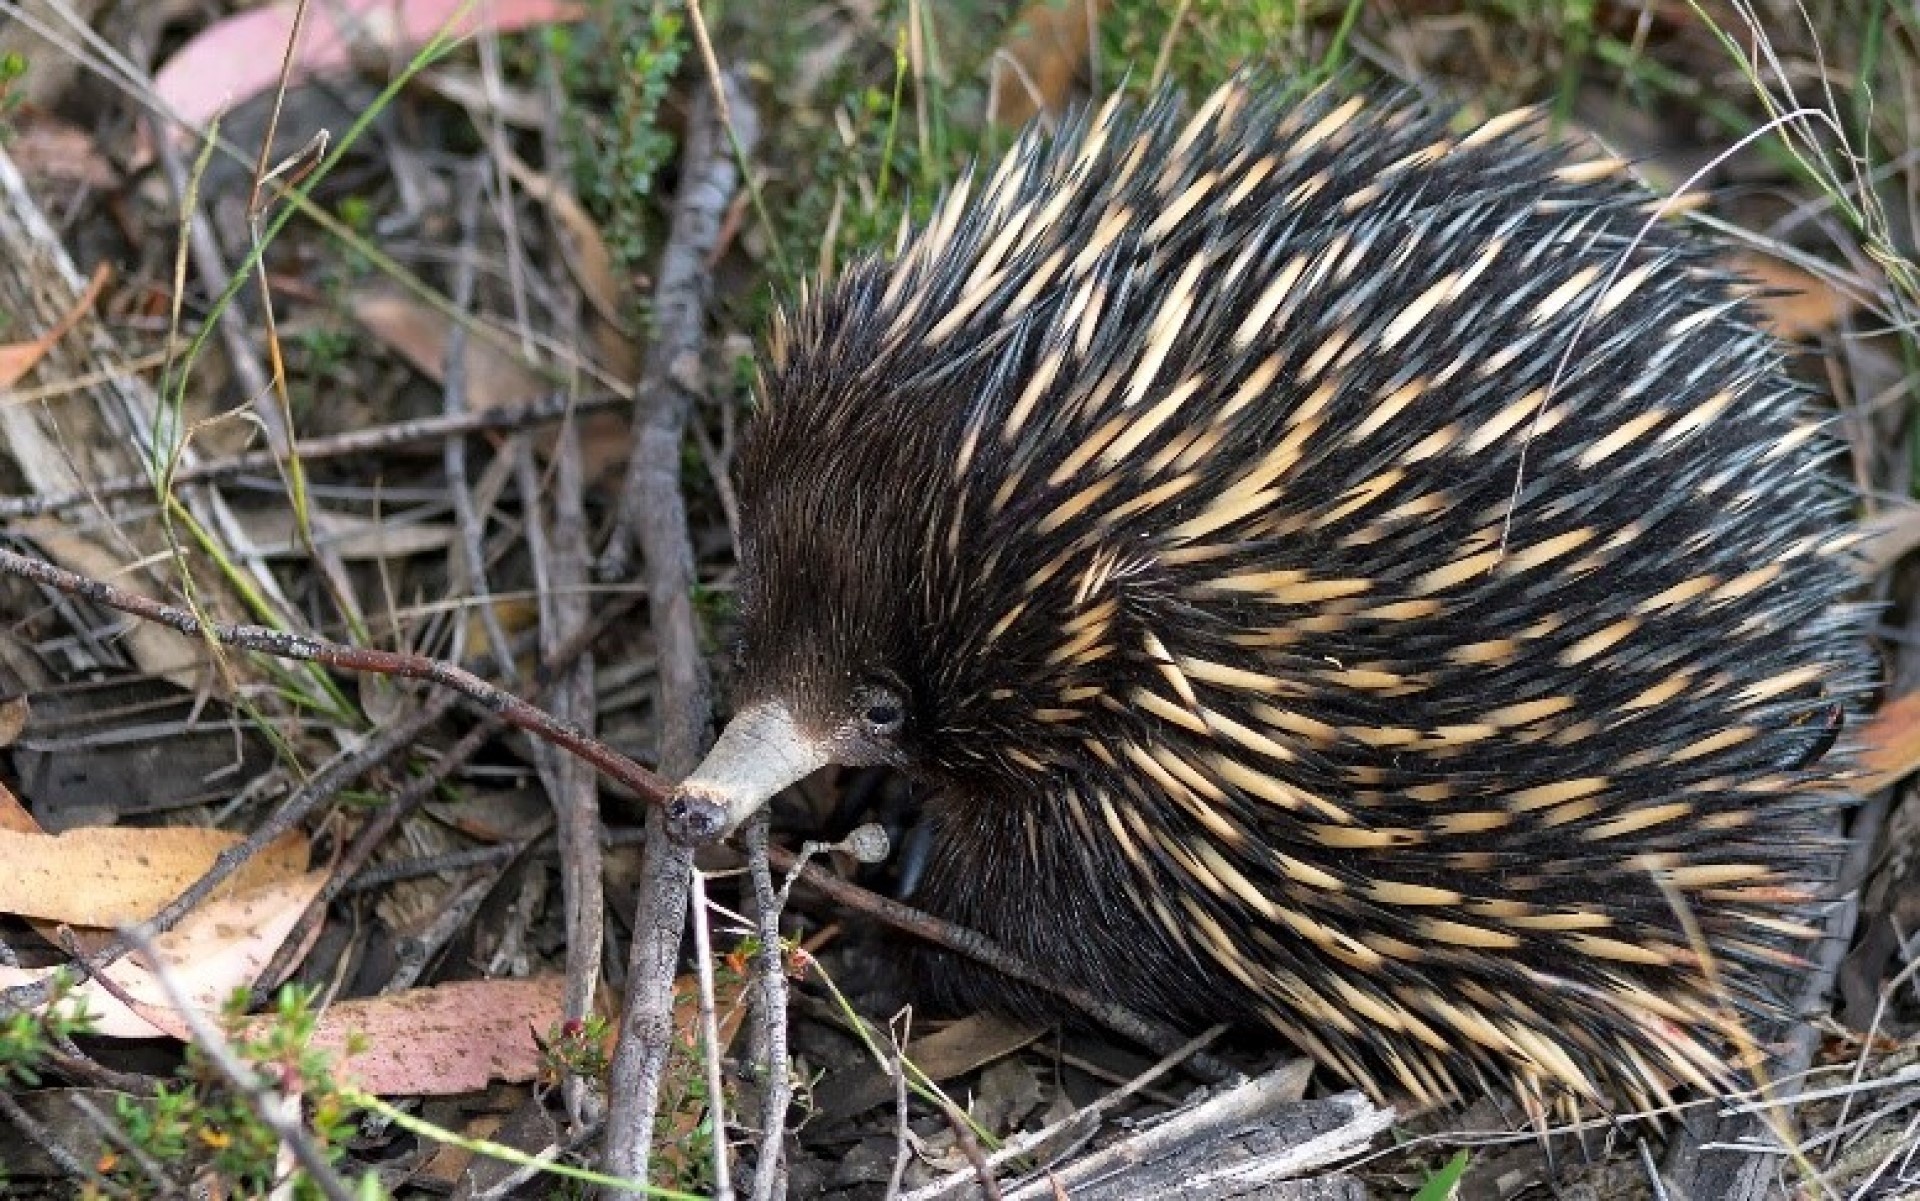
(970, 1147)
(346, 872)
(357, 443)
(309, 648)
(653, 514)
(562, 559)
(902, 1133)
(646, 1025)
(710, 1035)
(770, 1014)
(453, 452)
(34, 1132)
(268, 1105)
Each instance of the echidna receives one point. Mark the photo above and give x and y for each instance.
(1325, 570)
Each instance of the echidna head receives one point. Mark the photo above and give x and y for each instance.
(823, 669)
(780, 739)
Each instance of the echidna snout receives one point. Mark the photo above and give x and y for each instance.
(1325, 571)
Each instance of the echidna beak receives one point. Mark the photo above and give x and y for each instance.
(762, 751)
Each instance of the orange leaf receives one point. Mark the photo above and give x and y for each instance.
(111, 876)
(1040, 58)
(18, 358)
(215, 949)
(1890, 744)
(1796, 303)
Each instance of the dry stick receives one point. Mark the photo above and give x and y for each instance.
(964, 1139)
(1160, 1038)
(770, 1009)
(453, 452)
(313, 649)
(554, 407)
(407, 800)
(268, 1105)
(710, 1034)
(646, 1024)
(573, 787)
(653, 514)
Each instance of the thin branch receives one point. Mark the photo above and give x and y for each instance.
(710, 1035)
(653, 515)
(309, 648)
(770, 1014)
(555, 407)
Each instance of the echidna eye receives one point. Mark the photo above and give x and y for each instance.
(883, 716)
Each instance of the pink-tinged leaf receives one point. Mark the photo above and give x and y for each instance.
(221, 946)
(234, 60)
(452, 1038)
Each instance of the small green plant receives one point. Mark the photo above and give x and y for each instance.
(615, 72)
(577, 1048)
(28, 1038)
(1441, 1184)
(13, 68)
(201, 1124)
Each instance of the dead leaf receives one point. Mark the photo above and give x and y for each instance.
(111, 876)
(46, 148)
(590, 261)
(232, 61)
(14, 815)
(1890, 743)
(1794, 304)
(1887, 537)
(951, 1051)
(452, 1038)
(18, 358)
(1040, 59)
(220, 946)
(14, 712)
(419, 334)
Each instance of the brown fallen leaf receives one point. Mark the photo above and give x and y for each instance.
(1794, 304)
(219, 947)
(953, 1051)
(588, 258)
(14, 712)
(46, 148)
(1890, 743)
(418, 334)
(1040, 59)
(14, 815)
(451, 1038)
(111, 876)
(18, 358)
